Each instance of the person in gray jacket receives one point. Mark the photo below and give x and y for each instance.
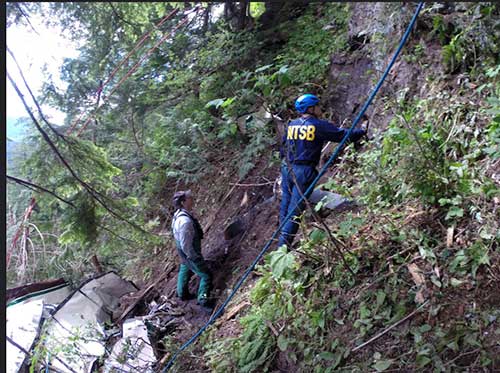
(188, 235)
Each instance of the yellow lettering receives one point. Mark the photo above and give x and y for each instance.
(310, 133)
(302, 135)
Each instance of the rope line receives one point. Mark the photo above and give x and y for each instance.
(220, 310)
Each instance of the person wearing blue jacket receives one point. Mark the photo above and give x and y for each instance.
(303, 141)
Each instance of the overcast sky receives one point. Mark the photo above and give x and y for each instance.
(32, 52)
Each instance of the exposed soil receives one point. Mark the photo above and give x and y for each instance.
(238, 220)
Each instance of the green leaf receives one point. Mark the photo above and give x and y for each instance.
(425, 328)
(228, 102)
(454, 212)
(317, 235)
(485, 235)
(282, 342)
(453, 346)
(382, 365)
(422, 361)
(380, 297)
(280, 262)
(327, 355)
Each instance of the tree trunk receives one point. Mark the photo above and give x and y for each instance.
(97, 264)
(206, 17)
(242, 16)
(236, 14)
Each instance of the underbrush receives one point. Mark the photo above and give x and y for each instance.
(309, 313)
(417, 287)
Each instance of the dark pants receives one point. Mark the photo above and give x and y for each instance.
(186, 271)
(291, 194)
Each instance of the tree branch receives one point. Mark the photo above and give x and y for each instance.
(26, 16)
(389, 328)
(33, 96)
(29, 185)
(115, 12)
(94, 193)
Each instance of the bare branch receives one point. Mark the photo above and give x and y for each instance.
(94, 193)
(29, 185)
(33, 96)
(27, 17)
(389, 328)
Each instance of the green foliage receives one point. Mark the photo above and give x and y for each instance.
(470, 259)
(463, 41)
(287, 296)
(436, 161)
(81, 222)
(438, 154)
(256, 9)
(311, 42)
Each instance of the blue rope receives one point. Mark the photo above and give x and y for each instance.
(310, 189)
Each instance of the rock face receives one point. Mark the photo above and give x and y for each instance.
(374, 32)
(352, 73)
(349, 84)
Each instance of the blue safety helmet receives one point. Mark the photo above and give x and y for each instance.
(305, 101)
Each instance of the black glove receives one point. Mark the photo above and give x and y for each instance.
(357, 135)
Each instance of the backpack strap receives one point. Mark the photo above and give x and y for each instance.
(196, 223)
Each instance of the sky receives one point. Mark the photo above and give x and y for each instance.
(32, 52)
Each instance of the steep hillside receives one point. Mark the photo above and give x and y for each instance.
(406, 279)
(424, 244)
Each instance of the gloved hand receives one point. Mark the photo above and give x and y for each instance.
(357, 135)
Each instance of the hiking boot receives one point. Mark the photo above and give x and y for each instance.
(207, 303)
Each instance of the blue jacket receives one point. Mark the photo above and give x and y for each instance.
(305, 138)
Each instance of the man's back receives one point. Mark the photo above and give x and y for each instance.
(305, 137)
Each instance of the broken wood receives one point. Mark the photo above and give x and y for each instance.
(233, 312)
(416, 274)
(143, 293)
(96, 264)
(273, 329)
(244, 201)
(449, 236)
(419, 280)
